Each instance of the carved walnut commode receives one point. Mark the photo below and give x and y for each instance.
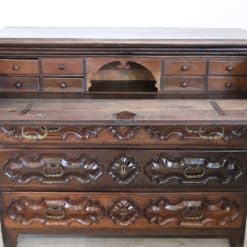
(123, 132)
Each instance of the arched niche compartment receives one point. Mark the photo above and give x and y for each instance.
(123, 75)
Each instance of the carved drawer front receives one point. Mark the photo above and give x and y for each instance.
(62, 66)
(19, 67)
(168, 136)
(183, 84)
(62, 84)
(126, 211)
(227, 84)
(184, 67)
(228, 67)
(121, 169)
(19, 84)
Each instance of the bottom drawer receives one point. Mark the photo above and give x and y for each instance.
(127, 211)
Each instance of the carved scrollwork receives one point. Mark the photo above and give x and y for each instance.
(194, 170)
(124, 169)
(165, 133)
(123, 132)
(46, 168)
(84, 133)
(51, 211)
(124, 212)
(192, 213)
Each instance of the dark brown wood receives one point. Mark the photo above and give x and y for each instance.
(91, 143)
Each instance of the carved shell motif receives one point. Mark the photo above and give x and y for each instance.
(124, 212)
(124, 169)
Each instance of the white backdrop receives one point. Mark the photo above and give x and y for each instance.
(171, 13)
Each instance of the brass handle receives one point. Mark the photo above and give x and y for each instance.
(54, 168)
(28, 135)
(192, 173)
(184, 67)
(214, 135)
(228, 84)
(195, 131)
(18, 84)
(61, 67)
(193, 213)
(55, 212)
(51, 129)
(229, 68)
(16, 67)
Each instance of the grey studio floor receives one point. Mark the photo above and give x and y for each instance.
(67, 241)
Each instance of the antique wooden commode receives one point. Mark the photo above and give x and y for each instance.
(123, 132)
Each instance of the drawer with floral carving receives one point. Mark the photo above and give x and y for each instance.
(140, 170)
(122, 211)
(206, 136)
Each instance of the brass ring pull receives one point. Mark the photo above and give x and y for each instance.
(55, 213)
(28, 135)
(54, 167)
(195, 131)
(193, 213)
(192, 173)
(216, 135)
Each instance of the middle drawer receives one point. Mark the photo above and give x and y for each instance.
(114, 170)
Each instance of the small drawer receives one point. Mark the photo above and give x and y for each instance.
(62, 66)
(62, 84)
(183, 84)
(18, 67)
(230, 67)
(19, 84)
(227, 84)
(184, 67)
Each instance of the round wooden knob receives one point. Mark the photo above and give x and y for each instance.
(228, 84)
(61, 67)
(184, 67)
(63, 85)
(229, 68)
(16, 67)
(184, 84)
(18, 84)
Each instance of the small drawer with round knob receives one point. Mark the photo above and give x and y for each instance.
(228, 67)
(184, 67)
(19, 67)
(183, 84)
(18, 84)
(227, 83)
(62, 66)
(63, 85)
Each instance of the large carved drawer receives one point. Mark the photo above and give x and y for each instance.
(122, 211)
(205, 136)
(114, 170)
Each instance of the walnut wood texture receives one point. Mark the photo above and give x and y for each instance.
(112, 170)
(75, 158)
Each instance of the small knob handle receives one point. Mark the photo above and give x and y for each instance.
(18, 84)
(63, 85)
(229, 68)
(16, 67)
(184, 84)
(184, 67)
(61, 67)
(228, 84)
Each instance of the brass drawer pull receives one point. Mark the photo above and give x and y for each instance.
(192, 213)
(18, 84)
(55, 213)
(194, 172)
(32, 135)
(184, 67)
(229, 68)
(228, 84)
(51, 129)
(61, 67)
(63, 85)
(53, 171)
(16, 67)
